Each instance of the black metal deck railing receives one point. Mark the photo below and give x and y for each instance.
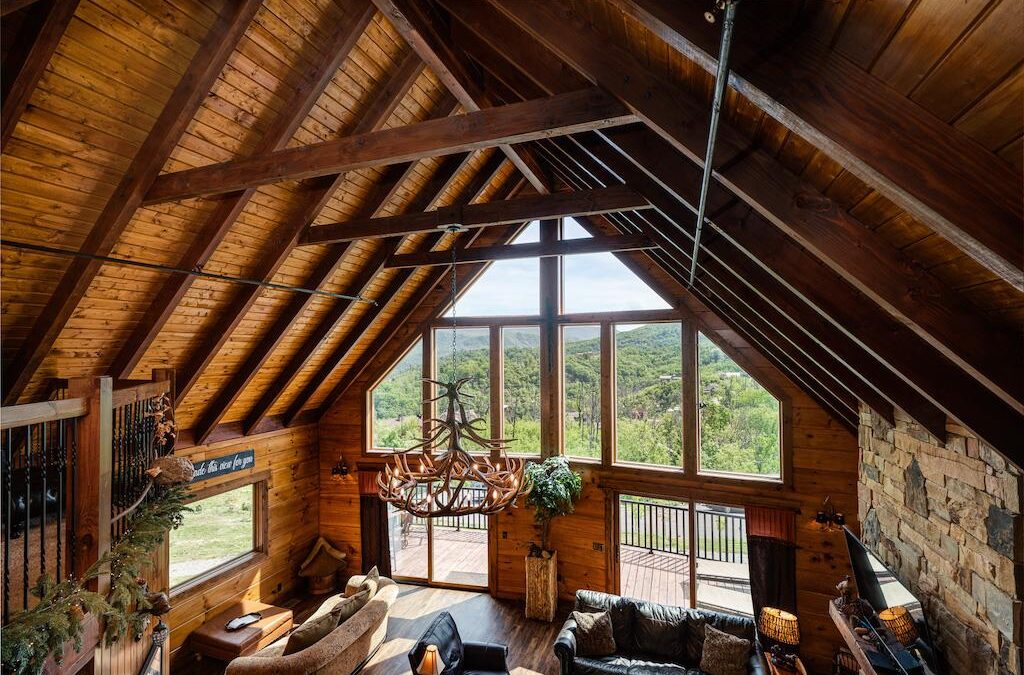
(720, 535)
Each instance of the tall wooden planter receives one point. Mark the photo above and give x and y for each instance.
(542, 587)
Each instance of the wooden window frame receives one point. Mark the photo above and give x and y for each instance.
(550, 321)
(260, 483)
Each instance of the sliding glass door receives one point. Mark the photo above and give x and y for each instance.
(684, 554)
(445, 551)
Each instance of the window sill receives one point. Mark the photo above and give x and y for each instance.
(211, 578)
(650, 467)
(740, 477)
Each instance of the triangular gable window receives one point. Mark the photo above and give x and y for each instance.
(592, 282)
(600, 282)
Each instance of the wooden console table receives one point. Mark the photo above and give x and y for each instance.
(860, 647)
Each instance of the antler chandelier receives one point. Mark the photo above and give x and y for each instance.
(448, 479)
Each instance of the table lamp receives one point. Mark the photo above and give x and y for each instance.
(431, 663)
(898, 620)
(779, 626)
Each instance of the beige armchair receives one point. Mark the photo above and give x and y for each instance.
(344, 650)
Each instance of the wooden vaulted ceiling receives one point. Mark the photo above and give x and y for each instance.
(865, 222)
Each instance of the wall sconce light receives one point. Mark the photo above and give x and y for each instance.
(827, 517)
(339, 471)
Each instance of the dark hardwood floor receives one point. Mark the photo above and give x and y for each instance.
(479, 617)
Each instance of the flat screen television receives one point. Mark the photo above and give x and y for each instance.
(879, 586)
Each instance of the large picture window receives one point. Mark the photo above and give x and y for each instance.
(581, 391)
(218, 532)
(396, 403)
(473, 360)
(648, 394)
(521, 388)
(739, 419)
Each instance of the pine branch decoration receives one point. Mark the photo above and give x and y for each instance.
(42, 631)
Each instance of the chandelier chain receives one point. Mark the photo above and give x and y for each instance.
(455, 319)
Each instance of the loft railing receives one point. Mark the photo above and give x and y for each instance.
(720, 535)
(72, 469)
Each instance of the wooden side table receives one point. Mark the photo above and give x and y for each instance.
(211, 639)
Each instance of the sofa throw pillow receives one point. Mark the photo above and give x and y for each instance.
(347, 607)
(660, 630)
(622, 611)
(371, 582)
(309, 633)
(594, 636)
(724, 654)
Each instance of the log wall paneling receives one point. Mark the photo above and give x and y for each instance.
(291, 457)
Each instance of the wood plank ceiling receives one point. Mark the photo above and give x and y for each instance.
(865, 225)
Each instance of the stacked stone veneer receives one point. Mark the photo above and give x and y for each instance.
(946, 518)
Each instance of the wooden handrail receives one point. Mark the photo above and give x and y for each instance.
(45, 411)
(140, 392)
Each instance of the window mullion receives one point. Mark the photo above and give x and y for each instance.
(690, 403)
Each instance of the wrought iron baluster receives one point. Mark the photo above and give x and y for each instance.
(27, 537)
(8, 520)
(73, 539)
(42, 520)
(61, 462)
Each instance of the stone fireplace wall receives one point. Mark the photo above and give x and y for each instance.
(946, 517)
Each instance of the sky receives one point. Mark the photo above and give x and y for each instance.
(594, 282)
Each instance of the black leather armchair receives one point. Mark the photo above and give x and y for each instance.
(460, 658)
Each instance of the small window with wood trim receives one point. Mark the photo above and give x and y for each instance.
(225, 528)
(740, 420)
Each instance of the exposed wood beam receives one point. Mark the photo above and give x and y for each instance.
(179, 110)
(416, 28)
(354, 336)
(53, 17)
(927, 167)
(317, 193)
(427, 193)
(516, 251)
(557, 115)
(10, 6)
(619, 198)
(888, 277)
(219, 223)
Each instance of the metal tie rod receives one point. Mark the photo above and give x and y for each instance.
(53, 250)
(721, 80)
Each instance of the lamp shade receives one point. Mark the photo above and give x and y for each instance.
(780, 626)
(431, 663)
(898, 620)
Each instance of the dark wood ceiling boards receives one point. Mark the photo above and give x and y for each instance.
(243, 128)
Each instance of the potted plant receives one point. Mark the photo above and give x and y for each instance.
(554, 492)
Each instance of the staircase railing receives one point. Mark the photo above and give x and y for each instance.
(72, 469)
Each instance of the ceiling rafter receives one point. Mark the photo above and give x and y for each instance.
(426, 197)
(50, 20)
(533, 207)
(430, 190)
(872, 130)
(226, 212)
(417, 31)
(566, 113)
(897, 284)
(177, 113)
(317, 193)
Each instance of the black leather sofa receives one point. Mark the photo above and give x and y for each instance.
(650, 639)
(460, 658)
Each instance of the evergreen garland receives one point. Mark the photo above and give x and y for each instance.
(42, 631)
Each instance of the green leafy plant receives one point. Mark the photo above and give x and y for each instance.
(40, 632)
(554, 492)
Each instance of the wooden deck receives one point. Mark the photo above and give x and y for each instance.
(665, 578)
(460, 557)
